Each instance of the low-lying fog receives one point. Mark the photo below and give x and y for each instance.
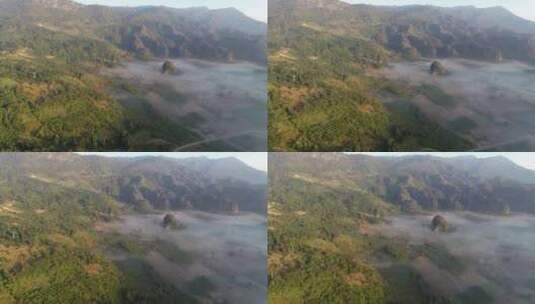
(496, 99)
(228, 250)
(499, 253)
(221, 101)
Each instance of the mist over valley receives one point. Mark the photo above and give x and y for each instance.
(400, 229)
(58, 93)
(225, 103)
(490, 104)
(86, 229)
(224, 254)
(358, 77)
(496, 254)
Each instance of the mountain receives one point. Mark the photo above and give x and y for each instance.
(227, 168)
(494, 17)
(326, 58)
(413, 183)
(414, 31)
(56, 95)
(146, 183)
(223, 34)
(64, 220)
(346, 228)
(495, 167)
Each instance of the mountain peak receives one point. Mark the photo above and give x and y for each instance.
(498, 9)
(308, 4)
(66, 5)
(495, 16)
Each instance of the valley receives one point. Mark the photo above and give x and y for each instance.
(207, 268)
(490, 104)
(58, 94)
(366, 229)
(495, 255)
(223, 103)
(352, 77)
(93, 229)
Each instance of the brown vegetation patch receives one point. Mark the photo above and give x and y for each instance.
(62, 239)
(294, 96)
(322, 245)
(366, 108)
(84, 239)
(356, 279)
(22, 53)
(8, 207)
(284, 55)
(278, 262)
(33, 91)
(273, 210)
(312, 26)
(102, 104)
(93, 269)
(16, 255)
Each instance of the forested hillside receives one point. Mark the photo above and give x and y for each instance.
(148, 184)
(419, 183)
(324, 95)
(148, 31)
(51, 206)
(53, 96)
(324, 209)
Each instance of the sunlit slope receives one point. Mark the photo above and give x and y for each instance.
(325, 96)
(53, 204)
(147, 31)
(54, 97)
(328, 214)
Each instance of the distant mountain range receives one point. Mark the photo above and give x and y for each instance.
(411, 31)
(222, 34)
(490, 185)
(493, 17)
(145, 184)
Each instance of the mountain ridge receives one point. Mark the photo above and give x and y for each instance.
(417, 183)
(144, 184)
(421, 30)
(330, 88)
(150, 31)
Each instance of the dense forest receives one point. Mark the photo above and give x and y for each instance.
(324, 95)
(51, 205)
(53, 96)
(324, 210)
(49, 251)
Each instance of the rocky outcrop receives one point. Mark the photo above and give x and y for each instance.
(437, 68)
(170, 222)
(168, 67)
(440, 224)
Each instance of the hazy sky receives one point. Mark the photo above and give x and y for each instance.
(526, 160)
(256, 9)
(257, 160)
(522, 8)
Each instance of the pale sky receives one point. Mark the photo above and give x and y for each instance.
(256, 9)
(526, 160)
(522, 8)
(257, 160)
